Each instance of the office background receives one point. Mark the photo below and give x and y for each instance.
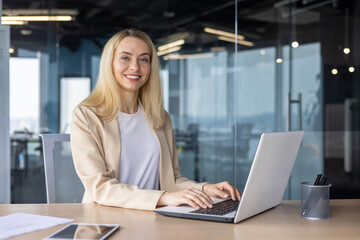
(293, 64)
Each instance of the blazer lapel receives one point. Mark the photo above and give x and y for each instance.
(167, 181)
(112, 145)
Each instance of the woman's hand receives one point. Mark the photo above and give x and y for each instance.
(222, 190)
(191, 196)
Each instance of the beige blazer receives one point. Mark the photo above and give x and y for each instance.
(96, 149)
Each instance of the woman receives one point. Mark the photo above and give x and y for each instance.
(122, 139)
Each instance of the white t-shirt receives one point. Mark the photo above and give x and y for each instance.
(140, 153)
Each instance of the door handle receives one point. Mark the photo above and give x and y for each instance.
(288, 116)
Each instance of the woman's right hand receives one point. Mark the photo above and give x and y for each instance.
(191, 196)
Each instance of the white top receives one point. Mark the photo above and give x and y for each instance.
(140, 152)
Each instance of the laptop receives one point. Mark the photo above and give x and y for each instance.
(265, 185)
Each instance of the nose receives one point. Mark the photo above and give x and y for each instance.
(134, 65)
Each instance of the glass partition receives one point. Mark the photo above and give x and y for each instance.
(240, 68)
(199, 106)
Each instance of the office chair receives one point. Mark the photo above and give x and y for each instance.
(62, 183)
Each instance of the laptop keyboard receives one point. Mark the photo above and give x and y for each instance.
(220, 208)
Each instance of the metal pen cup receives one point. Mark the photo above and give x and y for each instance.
(315, 201)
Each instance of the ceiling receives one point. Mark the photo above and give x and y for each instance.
(164, 20)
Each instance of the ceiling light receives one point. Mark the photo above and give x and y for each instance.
(223, 33)
(168, 14)
(346, 50)
(34, 12)
(186, 56)
(242, 42)
(11, 50)
(334, 71)
(171, 45)
(174, 49)
(26, 32)
(12, 22)
(36, 18)
(218, 49)
(351, 69)
(294, 44)
(279, 60)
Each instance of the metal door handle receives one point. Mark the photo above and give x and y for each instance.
(288, 117)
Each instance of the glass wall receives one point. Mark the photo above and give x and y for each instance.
(24, 112)
(242, 68)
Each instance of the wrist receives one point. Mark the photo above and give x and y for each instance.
(204, 187)
(162, 202)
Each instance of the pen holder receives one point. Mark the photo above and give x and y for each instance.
(315, 201)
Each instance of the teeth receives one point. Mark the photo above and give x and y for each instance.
(132, 77)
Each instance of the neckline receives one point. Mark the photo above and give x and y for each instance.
(131, 114)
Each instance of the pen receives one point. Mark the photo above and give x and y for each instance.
(323, 180)
(317, 179)
(327, 181)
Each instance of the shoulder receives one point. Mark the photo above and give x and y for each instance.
(85, 109)
(167, 116)
(87, 114)
(167, 120)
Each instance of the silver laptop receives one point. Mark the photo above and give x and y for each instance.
(265, 185)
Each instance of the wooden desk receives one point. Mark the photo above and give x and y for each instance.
(282, 222)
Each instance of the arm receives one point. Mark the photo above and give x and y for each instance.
(92, 166)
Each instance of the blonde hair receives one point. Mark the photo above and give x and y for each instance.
(105, 97)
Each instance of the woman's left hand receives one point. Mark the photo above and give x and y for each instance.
(222, 190)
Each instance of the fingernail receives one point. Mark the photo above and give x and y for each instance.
(225, 195)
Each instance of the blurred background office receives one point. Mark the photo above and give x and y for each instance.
(230, 71)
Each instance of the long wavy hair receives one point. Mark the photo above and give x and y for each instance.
(105, 97)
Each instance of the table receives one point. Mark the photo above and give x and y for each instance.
(281, 222)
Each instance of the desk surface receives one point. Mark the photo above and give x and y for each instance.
(282, 222)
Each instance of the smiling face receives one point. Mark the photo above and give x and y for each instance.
(131, 64)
